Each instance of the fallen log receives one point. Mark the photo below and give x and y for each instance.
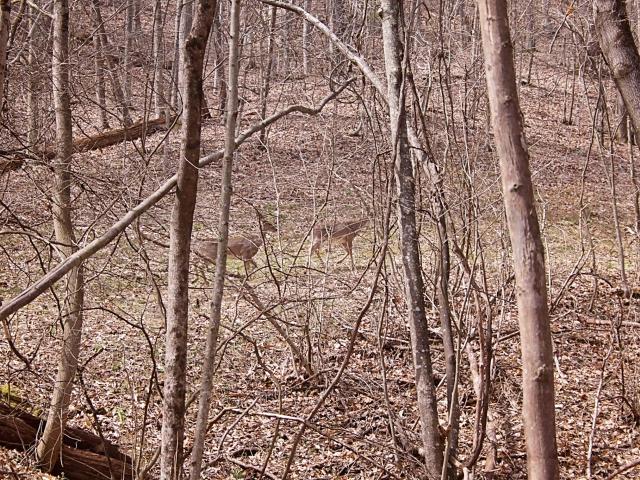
(85, 144)
(84, 455)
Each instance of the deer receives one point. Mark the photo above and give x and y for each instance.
(242, 247)
(342, 232)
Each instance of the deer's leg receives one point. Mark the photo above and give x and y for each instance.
(349, 245)
(346, 244)
(315, 248)
(248, 263)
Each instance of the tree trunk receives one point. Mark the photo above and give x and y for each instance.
(5, 26)
(33, 110)
(186, 19)
(100, 83)
(221, 260)
(338, 23)
(414, 286)
(116, 85)
(528, 255)
(620, 53)
(48, 449)
(622, 130)
(176, 57)
(266, 84)
(159, 100)
(128, 50)
(180, 245)
(220, 77)
(306, 34)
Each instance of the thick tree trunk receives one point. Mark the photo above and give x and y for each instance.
(48, 449)
(5, 26)
(414, 286)
(528, 256)
(620, 53)
(206, 383)
(180, 246)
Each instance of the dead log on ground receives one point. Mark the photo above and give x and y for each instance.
(84, 455)
(94, 142)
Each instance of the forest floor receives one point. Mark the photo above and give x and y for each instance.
(312, 168)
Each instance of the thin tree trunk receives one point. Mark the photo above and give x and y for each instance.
(266, 85)
(622, 130)
(338, 22)
(221, 260)
(128, 48)
(219, 49)
(48, 449)
(116, 85)
(414, 285)
(528, 255)
(176, 56)
(5, 26)
(137, 16)
(186, 19)
(33, 110)
(180, 244)
(620, 53)
(100, 83)
(159, 100)
(306, 34)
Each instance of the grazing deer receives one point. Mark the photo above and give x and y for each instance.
(341, 232)
(242, 247)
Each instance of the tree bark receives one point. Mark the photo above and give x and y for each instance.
(180, 245)
(414, 285)
(221, 260)
(5, 26)
(528, 255)
(620, 53)
(48, 449)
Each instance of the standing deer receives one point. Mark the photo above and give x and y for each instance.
(341, 232)
(242, 247)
